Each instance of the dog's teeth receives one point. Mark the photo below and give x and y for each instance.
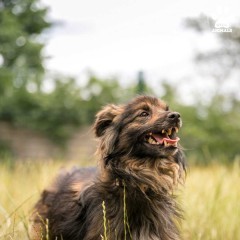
(163, 131)
(153, 141)
(169, 131)
(150, 140)
(165, 143)
(176, 129)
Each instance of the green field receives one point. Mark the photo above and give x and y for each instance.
(210, 198)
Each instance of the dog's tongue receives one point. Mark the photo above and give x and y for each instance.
(161, 139)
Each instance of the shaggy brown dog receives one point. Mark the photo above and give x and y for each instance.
(129, 196)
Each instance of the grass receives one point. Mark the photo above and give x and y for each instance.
(210, 199)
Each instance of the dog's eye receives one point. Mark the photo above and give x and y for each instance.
(144, 114)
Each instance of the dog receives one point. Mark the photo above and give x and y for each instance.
(130, 194)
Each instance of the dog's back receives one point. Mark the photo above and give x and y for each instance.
(58, 202)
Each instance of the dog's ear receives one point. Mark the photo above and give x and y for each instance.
(105, 118)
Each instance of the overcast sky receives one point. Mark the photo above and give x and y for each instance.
(121, 37)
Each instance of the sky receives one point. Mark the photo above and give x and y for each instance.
(121, 37)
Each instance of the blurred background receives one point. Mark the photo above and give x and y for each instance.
(61, 61)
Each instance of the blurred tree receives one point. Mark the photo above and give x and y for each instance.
(215, 125)
(59, 112)
(141, 87)
(21, 58)
(221, 63)
(22, 98)
(169, 93)
(99, 92)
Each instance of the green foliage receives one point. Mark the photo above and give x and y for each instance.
(210, 130)
(210, 133)
(21, 22)
(23, 101)
(23, 98)
(5, 151)
(58, 112)
(97, 93)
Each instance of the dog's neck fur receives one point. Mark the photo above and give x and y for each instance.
(138, 201)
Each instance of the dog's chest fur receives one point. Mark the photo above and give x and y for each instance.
(128, 213)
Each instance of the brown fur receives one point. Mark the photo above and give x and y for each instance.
(135, 180)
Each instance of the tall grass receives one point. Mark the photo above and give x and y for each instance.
(210, 198)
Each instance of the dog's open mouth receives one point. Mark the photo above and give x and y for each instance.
(167, 137)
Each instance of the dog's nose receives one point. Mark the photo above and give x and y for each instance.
(174, 115)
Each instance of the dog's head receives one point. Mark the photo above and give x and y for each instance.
(144, 130)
